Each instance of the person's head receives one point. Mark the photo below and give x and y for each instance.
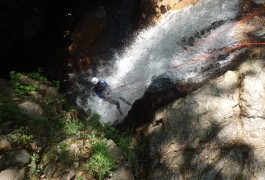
(94, 80)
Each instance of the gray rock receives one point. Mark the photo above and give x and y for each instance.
(52, 92)
(49, 170)
(17, 158)
(114, 150)
(216, 132)
(67, 176)
(5, 145)
(30, 108)
(122, 173)
(13, 174)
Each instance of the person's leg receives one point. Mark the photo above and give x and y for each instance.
(117, 103)
(124, 100)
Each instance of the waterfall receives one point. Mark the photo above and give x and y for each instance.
(180, 37)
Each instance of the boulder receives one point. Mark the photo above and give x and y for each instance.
(30, 108)
(17, 158)
(122, 173)
(5, 145)
(218, 126)
(11, 174)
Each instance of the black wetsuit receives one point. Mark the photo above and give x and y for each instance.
(103, 90)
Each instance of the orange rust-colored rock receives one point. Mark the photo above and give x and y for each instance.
(152, 10)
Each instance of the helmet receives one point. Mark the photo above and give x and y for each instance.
(94, 80)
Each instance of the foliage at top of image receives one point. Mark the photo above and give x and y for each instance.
(23, 89)
(37, 75)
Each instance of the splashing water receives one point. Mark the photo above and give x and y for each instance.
(180, 37)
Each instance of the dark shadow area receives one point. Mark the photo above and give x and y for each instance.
(32, 35)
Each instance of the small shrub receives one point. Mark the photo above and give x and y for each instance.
(101, 161)
(20, 89)
(22, 137)
(123, 141)
(24, 89)
(34, 171)
(80, 177)
(64, 155)
(56, 83)
(37, 75)
(72, 126)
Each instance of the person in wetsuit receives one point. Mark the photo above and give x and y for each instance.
(103, 91)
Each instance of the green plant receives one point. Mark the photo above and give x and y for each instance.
(101, 161)
(79, 177)
(64, 155)
(56, 83)
(23, 89)
(37, 75)
(52, 103)
(123, 141)
(71, 126)
(94, 122)
(22, 137)
(34, 171)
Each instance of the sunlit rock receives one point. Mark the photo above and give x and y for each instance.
(152, 11)
(17, 158)
(219, 126)
(13, 173)
(30, 108)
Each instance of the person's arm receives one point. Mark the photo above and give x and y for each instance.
(92, 91)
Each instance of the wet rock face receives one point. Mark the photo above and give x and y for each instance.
(259, 1)
(99, 32)
(217, 127)
(165, 89)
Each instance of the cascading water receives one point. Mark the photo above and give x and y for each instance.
(180, 37)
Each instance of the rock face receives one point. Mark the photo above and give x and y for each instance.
(217, 132)
(152, 10)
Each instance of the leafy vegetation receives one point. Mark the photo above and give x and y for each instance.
(34, 171)
(96, 161)
(22, 137)
(21, 89)
(37, 75)
(123, 141)
(101, 161)
(64, 155)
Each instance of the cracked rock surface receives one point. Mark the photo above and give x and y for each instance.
(216, 132)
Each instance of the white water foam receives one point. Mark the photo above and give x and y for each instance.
(157, 48)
